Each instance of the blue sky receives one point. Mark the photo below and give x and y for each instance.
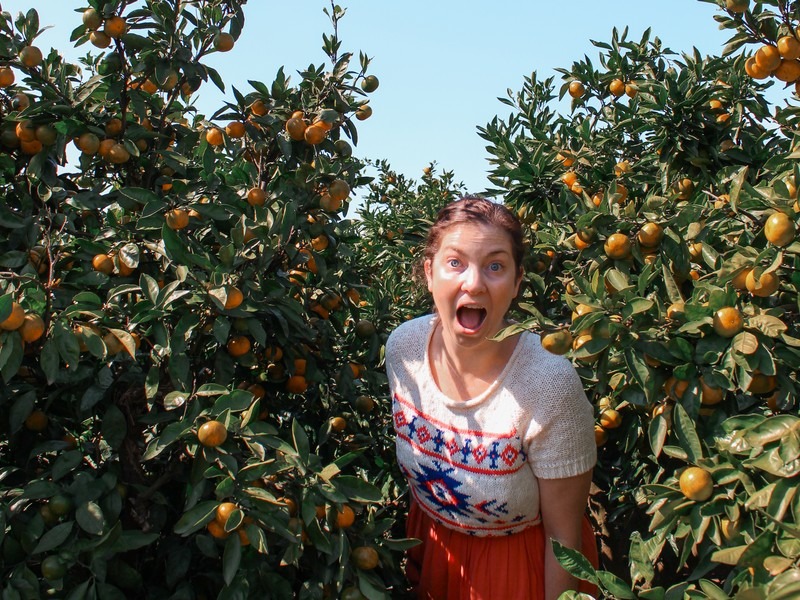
(442, 65)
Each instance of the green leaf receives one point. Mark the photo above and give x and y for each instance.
(114, 427)
(196, 517)
(575, 563)
(356, 488)
(687, 434)
(231, 558)
(90, 518)
(54, 537)
(300, 440)
(615, 586)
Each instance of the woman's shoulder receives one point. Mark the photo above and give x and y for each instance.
(409, 336)
(545, 373)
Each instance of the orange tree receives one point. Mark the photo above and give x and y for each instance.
(394, 219)
(662, 211)
(190, 407)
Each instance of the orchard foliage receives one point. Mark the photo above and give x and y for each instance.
(189, 391)
(663, 225)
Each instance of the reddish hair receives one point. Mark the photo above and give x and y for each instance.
(471, 210)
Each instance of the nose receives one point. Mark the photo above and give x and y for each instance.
(472, 280)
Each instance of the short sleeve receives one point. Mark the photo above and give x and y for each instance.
(560, 438)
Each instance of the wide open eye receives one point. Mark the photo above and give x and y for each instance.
(454, 262)
(496, 267)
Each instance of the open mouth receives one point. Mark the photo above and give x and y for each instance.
(470, 317)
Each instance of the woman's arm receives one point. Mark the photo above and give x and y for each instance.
(563, 503)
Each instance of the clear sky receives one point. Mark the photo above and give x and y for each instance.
(441, 64)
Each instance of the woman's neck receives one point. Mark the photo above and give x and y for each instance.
(464, 373)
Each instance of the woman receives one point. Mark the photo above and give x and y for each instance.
(495, 437)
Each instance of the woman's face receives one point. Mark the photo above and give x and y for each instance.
(473, 280)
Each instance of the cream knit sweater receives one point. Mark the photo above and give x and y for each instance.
(474, 465)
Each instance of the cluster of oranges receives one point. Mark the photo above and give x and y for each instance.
(29, 325)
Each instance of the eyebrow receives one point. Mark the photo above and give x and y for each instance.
(490, 253)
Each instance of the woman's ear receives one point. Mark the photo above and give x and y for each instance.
(428, 267)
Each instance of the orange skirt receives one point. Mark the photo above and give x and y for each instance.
(451, 565)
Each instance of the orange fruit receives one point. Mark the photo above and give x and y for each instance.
(616, 87)
(223, 41)
(177, 218)
(710, 395)
(345, 517)
(25, 130)
(257, 390)
(338, 424)
(369, 84)
(320, 243)
(99, 39)
(737, 6)
(600, 435)
(103, 263)
(118, 154)
(296, 129)
(753, 70)
(339, 190)
(15, 319)
(235, 129)
(576, 89)
(565, 159)
(91, 18)
(104, 149)
(739, 281)
(114, 27)
(610, 419)
(580, 341)
(88, 143)
(238, 345)
(364, 557)
(766, 285)
(728, 321)
(779, 229)
(296, 384)
(32, 327)
(259, 108)
(364, 112)
(36, 421)
(557, 342)
(328, 204)
(617, 246)
(631, 90)
(234, 299)
(650, 235)
(300, 365)
(224, 510)
(696, 484)
(622, 167)
(6, 77)
(569, 178)
(768, 57)
(216, 530)
(256, 196)
(684, 188)
(53, 568)
(214, 136)
(788, 71)
(31, 56)
(762, 384)
(314, 134)
(621, 193)
(212, 434)
(789, 47)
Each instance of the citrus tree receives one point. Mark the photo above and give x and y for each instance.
(662, 211)
(190, 400)
(394, 218)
